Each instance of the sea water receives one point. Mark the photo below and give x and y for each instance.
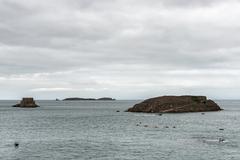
(93, 130)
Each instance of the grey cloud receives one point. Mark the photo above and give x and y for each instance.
(192, 3)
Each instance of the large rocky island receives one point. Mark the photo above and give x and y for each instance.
(27, 103)
(176, 104)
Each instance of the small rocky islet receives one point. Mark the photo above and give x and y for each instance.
(176, 104)
(27, 103)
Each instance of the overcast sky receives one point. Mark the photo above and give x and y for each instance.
(125, 49)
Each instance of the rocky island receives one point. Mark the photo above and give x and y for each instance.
(89, 99)
(27, 103)
(175, 104)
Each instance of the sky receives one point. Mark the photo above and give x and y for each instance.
(125, 49)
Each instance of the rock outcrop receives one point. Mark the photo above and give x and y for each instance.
(27, 103)
(175, 104)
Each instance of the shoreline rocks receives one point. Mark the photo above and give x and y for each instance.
(26, 103)
(175, 104)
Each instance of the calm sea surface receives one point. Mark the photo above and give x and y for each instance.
(61, 130)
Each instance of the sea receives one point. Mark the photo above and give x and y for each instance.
(95, 130)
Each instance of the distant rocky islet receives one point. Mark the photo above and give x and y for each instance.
(89, 99)
(27, 102)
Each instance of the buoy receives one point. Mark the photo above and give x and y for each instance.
(221, 140)
(16, 145)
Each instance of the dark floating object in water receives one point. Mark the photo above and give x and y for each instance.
(221, 140)
(214, 141)
(203, 113)
(175, 104)
(117, 111)
(16, 144)
(221, 129)
(174, 126)
(160, 114)
(57, 99)
(166, 127)
(27, 103)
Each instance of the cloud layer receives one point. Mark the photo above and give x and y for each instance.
(126, 49)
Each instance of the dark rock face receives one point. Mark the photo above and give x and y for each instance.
(175, 104)
(27, 103)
